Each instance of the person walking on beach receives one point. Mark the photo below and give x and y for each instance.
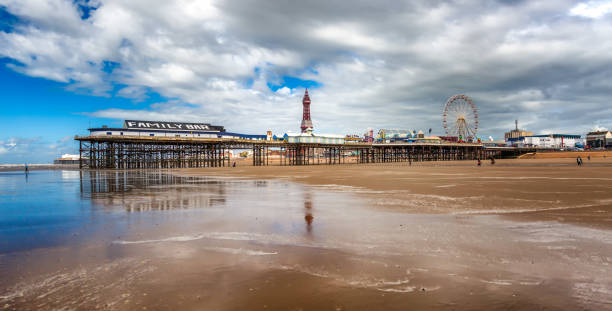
(492, 160)
(478, 162)
(234, 165)
(579, 160)
(26, 168)
(589, 157)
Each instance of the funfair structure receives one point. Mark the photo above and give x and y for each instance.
(460, 118)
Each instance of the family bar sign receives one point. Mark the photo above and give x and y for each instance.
(157, 125)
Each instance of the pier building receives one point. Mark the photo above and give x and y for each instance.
(171, 129)
(68, 159)
(309, 137)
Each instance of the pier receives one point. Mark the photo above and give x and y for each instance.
(142, 152)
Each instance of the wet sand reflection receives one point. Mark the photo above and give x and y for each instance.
(308, 212)
(168, 242)
(139, 191)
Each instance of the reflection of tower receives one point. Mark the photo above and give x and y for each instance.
(306, 122)
(308, 212)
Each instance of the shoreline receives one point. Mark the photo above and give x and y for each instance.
(37, 167)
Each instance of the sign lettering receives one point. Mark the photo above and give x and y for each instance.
(156, 125)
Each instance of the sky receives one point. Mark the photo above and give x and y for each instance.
(66, 65)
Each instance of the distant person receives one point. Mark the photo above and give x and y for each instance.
(579, 160)
(234, 164)
(492, 161)
(26, 168)
(479, 162)
(589, 157)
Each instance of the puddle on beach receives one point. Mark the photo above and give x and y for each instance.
(152, 240)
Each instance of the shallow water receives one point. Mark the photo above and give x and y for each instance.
(133, 240)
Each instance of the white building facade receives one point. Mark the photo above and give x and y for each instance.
(552, 141)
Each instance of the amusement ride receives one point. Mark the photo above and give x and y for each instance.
(460, 117)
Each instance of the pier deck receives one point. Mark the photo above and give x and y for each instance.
(135, 152)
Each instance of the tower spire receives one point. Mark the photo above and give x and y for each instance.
(306, 122)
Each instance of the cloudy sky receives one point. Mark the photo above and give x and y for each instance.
(66, 65)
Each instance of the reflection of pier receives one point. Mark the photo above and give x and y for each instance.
(151, 190)
(116, 152)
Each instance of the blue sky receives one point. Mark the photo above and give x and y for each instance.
(38, 113)
(66, 65)
(41, 116)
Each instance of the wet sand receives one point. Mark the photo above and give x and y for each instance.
(568, 154)
(520, 235)
(551, 189)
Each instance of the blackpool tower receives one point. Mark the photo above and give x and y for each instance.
(306, 122)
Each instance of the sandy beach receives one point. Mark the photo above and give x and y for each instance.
(522, 234)
(550, 188)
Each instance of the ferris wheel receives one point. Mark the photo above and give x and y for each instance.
(460, 117)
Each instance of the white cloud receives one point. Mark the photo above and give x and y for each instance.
(13, 144)
(351, 36)
(283, 91)
(391, 65)
(138, 93)
(592, 9)
(598, 128)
